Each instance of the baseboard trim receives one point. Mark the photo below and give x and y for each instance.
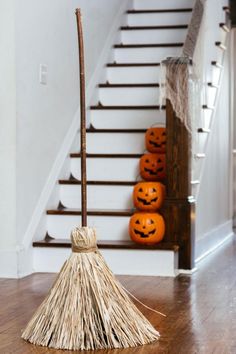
(187, 271)
(8, 264)
(16, 263)
(213, 240)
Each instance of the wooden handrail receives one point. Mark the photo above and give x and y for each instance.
(193, 29)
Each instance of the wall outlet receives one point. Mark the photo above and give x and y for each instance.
(43, 74)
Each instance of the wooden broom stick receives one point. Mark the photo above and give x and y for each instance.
(82, 120)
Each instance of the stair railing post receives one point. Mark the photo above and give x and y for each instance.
(181, 206)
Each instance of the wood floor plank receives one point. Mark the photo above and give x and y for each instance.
(200, 309)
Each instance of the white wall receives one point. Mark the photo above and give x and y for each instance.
(7, 137)
(46, 34)
(36, 118)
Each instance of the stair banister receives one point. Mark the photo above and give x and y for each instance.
(181, 206)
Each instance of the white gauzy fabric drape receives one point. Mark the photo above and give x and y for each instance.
(180, 82)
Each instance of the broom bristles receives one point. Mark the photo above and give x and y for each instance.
(87, 308)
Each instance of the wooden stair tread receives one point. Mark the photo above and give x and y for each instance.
(203, 130)
(95, 212)
(199, 155)
(205, 106)
(122, 156)
(224, 27)
(210, 84)
(158, 11)
(73, 181)
(226, 9)
(131, 28)
(93, 130)
(99, 106)
(149, 45)
(131, 64)
(217, 64)
(220, 45)
(106, 244)
(194, 182)
(62, 210)
(108, 85)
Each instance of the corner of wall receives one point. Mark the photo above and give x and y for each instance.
(8, 264)
(213, 239)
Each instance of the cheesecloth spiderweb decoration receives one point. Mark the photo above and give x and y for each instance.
(182, 78)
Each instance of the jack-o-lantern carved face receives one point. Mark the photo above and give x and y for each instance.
(148, 196)
(155, 139)
(153, 167)
(147, 228)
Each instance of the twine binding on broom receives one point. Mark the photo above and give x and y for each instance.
(76, 249)
(87, 308)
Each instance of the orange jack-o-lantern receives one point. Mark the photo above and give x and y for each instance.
(153, 167)
(148, 196)
(147, 228)
(155, 139)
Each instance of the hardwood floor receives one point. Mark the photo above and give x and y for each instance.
(200, 309)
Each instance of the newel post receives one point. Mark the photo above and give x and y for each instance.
(181, 206)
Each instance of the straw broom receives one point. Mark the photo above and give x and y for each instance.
(87, 308)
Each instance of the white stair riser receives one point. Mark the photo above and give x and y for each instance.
(219, 54)
(99, 197)
(223, 36)
(207, 118)
(133, 75)
(157, 5)
(153, 36)
(126, 119)
(159, 19)
(197, 166)
(216, 72)
(108, 228)
(126, 143)
(129, 96)
(201, 143)
(211, 96)
(112, 169)
(134, 262)
(145, 55)
(194, 190)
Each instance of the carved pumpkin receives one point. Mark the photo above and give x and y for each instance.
(153, 167)
(146, 228)
(148, 196)
(155, 139)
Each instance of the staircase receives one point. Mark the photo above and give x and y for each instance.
(214, 63)
(127, 105)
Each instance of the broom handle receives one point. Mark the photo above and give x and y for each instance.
(82, 120)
